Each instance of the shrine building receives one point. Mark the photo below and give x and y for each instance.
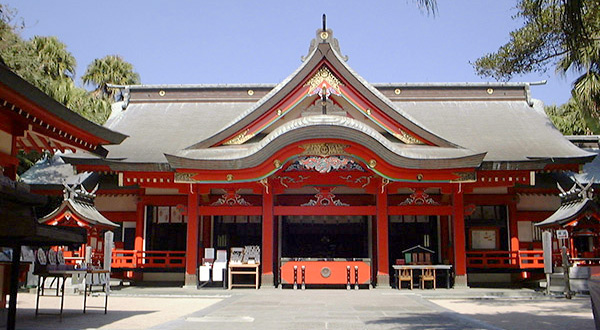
(328, 169)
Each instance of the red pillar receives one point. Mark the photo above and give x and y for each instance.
(191, 253)
(139, 225)
(460, 253)
(513, 228)
(383, 265)
(267, 277)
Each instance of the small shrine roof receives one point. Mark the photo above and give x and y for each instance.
(569, 212)
(575, 203)
(80, 204)
(418, 248)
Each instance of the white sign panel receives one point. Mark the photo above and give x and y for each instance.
(562, 234)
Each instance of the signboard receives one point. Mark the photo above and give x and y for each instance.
(562, 234)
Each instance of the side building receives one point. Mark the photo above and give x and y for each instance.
(326, 168)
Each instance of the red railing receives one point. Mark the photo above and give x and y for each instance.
(147, 259)
(505, 259)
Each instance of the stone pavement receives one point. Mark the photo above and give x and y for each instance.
(188, 308)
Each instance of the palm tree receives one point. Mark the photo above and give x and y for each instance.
(53, 58)
(111, 69)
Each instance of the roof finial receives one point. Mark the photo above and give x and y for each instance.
(324, 22)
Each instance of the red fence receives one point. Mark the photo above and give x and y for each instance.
(505, 259)
(147, 259)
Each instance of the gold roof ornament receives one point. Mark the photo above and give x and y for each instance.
(241, 138)
(324, 76)
(407, 138)
(324, 149)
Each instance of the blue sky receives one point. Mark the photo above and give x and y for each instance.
(197, 42)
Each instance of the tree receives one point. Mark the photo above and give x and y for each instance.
(54, 59)
(564, 34)
(568, 118)
(46, 63)
(111, 69)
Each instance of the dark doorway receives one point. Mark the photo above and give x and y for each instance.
(325, 237)
(237, 231)
(407, 231)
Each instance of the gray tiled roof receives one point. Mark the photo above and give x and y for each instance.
(506, 130)
(591, 171)
(158, 128)
(52, 171)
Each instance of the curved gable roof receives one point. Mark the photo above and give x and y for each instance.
(324, 52)
(312, 127)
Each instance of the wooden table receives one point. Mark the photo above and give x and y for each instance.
(243, 269)
(89, 288)
(446, 268)
(59, 275)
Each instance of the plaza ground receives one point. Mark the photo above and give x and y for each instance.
(188, 308)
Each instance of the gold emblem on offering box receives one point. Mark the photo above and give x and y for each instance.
(324, 149)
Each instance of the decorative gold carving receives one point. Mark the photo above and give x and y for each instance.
(324, 149)
(243, 137)
(368, 112)
(397, 91)
(229, 177)
(419, 197)
(265, 183)
(324, 75)
(490, 91)
(250, 92)
(372, 163)
(406, 138)
(279, 112)
(231, 198)
(465, 177)
(419, 177)
(277, 163)
(161, 93)
(184, 177)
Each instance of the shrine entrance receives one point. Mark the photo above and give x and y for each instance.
(325, 237)
(325, 250)
(409, 231)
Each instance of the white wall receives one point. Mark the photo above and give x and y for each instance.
(116, 203)
(538, 203)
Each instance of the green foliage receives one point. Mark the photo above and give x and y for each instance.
(568, 118)
(46, 63)
(564, 34)
(27, 160)
(111, 69)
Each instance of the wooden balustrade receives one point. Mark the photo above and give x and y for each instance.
(132, 259)
(505, 259)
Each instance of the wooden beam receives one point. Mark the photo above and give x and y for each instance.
(230, 210)
(325, 210)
